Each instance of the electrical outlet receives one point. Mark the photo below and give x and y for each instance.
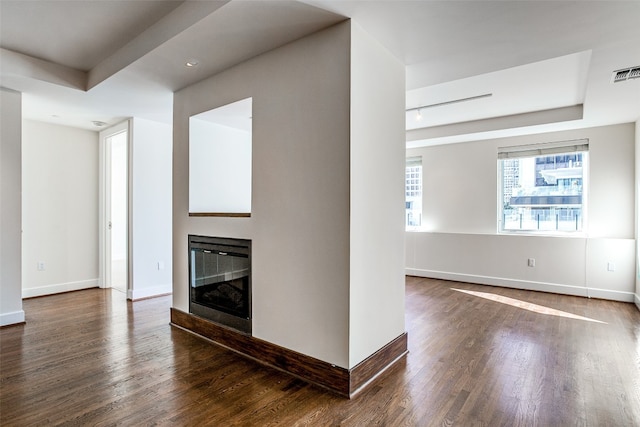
(531, 262)
(40, 266)
(611, 266)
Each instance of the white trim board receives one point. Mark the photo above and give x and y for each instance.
(556, 288)
(153, 291)
(59, 288)
(12, 318)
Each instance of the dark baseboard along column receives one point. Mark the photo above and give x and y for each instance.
(345, 382)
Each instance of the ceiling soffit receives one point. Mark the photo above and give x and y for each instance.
(150, 66)
(544, 85)
(76, 34)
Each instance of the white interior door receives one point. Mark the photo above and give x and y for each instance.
(114, 207)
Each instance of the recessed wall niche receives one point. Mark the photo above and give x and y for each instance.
(220, 161)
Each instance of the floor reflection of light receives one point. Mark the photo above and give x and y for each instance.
(526, 305)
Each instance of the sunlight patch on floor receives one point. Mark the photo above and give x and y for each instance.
(526, 305)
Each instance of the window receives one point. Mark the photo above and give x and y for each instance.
(543, 187)
(413, 192)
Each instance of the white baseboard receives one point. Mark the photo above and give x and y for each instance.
(152, 291)
(12, 318)
(610, 295)
(556, 288)
(636, 299)
(59, 288)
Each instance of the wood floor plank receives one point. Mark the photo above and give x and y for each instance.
(92, 358)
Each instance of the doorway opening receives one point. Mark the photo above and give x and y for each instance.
(114, 211)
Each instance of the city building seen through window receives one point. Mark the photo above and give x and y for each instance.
(413, 192)
(543, 189)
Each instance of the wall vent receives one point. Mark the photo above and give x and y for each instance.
(626, 74)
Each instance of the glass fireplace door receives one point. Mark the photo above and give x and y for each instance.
(220, 280)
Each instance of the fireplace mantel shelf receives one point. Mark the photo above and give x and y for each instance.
(221, 214)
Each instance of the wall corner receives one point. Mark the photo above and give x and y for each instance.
(11, 207)
(637, 211)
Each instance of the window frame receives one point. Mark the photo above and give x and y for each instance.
(411, 181)
(553, 149)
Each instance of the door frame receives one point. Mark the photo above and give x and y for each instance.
(104, 205)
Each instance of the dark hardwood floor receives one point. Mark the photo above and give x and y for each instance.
(497, 357)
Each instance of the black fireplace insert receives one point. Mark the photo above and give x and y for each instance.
(220, 280)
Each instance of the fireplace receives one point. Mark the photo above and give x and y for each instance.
(220, 280)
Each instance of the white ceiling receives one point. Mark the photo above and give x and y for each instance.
(547, 65)
(554, 83)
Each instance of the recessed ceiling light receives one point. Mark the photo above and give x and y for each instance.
(191, 63)
(98, 123)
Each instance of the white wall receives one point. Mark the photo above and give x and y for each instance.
(219, 168)
(637, 158)
(151, 253)
(60, 208)
(460, 208)
(10, 208)
(327, 210)
(300, 209)
(376, 313)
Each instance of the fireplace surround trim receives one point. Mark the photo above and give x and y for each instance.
(202, 251)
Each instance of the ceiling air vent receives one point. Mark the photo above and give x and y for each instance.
(626, 74)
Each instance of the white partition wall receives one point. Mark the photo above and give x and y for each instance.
(300, 203)
(10, 208)
(150, 209)
(637, 272)
(321, 207)
(376, 290)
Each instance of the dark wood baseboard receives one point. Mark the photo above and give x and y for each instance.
(13, 324)
(308, 368)
(339, 380)
(367, 370)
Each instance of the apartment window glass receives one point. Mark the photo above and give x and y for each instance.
(543, 187)
(413, 192)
